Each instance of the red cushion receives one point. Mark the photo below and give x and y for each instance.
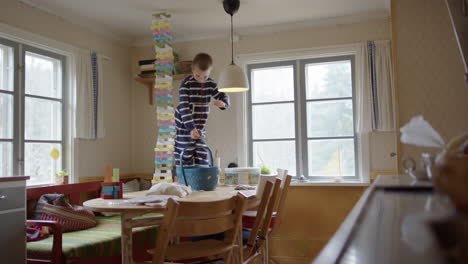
(248, 221)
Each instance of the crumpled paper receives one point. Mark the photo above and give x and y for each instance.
(165, 188)
(419, 132)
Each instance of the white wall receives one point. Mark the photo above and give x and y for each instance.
(114, 149)
(429, 69)
(222, 132)
(129, 120)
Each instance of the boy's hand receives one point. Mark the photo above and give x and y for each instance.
(194, 133)
(220, 103)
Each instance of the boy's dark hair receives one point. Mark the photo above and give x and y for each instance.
(203, 61)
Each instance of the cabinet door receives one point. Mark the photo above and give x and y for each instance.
(383, 151)
(13, 237)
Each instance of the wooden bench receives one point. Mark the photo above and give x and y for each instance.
(103, 245)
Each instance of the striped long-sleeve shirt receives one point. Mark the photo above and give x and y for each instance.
(192, 112)
(194, 102)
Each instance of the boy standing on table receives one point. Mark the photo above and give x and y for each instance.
(191, 114)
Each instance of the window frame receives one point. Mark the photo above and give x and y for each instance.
(300, 112)
(250, 105)
(15, 93)
(19, 93)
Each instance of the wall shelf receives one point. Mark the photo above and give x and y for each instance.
(148, 81)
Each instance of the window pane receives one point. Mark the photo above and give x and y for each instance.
(273, 84)
(273, 121)
(6, 68)
(6, 116)
(43, 75)
(39, 165)
(330, 118)
(43, 119)
(6, 159)
(276, 155)
(328, 80)
(331, 157)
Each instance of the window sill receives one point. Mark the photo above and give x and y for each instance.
(330, 183)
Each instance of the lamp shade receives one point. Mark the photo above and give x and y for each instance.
(232, 79)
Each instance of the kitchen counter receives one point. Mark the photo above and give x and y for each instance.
(13, 216)
(14, 178)
(389, 224)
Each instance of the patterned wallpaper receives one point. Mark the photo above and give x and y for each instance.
(429, 69)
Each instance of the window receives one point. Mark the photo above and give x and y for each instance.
(32, 104)
(302, 117)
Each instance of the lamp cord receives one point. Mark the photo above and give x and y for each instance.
(232, 43)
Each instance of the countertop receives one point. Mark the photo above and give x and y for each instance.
(14, 178)
(389, 224)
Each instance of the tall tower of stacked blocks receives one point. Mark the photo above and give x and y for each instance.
(163, 96)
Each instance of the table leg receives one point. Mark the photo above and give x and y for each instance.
(126, 239)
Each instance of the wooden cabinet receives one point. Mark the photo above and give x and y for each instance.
(13, 220)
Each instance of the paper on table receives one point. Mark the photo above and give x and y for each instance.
(145, 200)
(165, 188)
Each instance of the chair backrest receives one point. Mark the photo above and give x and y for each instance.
(282, 174)
(165, 228)
(282, 200)
(73, 191)
(208, 218)
(266, 197)
(265, 225)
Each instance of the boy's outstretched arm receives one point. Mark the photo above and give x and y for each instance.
(221, 97)
(184, 108)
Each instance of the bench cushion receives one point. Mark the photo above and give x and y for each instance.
(99, 241)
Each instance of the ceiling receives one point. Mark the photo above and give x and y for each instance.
(129, 20)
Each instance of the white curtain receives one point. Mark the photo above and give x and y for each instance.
(363, 92)
(380, 78)
(374, 96)
(89, 97)
(363, 111)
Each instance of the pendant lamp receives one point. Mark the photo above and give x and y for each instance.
(232, 78)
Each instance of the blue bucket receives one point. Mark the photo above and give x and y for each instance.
(199, 178)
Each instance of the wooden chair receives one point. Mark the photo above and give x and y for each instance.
(250, 215)
(249, 247)
(279, 206)
(260, 233)
(194, 219)
(271, 219)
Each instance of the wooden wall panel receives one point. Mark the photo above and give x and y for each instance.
(311, 217)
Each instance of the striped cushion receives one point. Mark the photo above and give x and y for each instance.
(100, 241)
(69, 218)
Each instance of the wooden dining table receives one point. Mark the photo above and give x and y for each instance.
(129, 212)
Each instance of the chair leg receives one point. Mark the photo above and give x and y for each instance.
(263, 252)
(228, 257)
